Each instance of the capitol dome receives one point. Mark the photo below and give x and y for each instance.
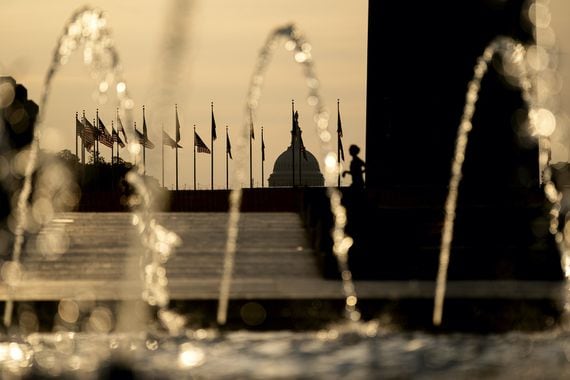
(306, 171)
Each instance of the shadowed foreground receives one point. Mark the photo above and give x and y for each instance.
(275, 265)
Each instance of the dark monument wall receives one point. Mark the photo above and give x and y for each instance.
(421, 56)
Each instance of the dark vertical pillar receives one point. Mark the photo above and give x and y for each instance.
(420, 59)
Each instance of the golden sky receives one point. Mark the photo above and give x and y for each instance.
(223, 39)
(559, 25)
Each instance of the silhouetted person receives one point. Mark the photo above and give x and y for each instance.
(357, 168)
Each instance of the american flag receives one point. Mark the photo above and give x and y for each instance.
(201, 147)
(177, 126)
(169, 141)
(262, 146)
(117, 138)
(89, 133)
(214, 136)
(104, 136)
(143, 140)
(78, 127)
(120, 128)
(251, 130)
(228, 146)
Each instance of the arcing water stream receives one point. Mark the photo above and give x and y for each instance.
(301, 49)
(88, 28)
(541, 125)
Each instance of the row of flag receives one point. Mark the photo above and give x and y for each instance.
(97, 132)
(92, 134)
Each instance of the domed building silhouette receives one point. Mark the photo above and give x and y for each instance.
(296, 166)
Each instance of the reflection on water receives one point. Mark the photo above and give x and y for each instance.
(335, 353)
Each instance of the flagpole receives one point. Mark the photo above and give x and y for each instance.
(96, 124)
(162, 156)
(338, 141)
(97, 133)
(112, 156)
(96, 140)
(262, 158)
(194, 148)
(212, 144)
(118, 146)
(113, 143)
(293, 133)
(76, 139)
(250, 150)
(177, 138)
(176, 166)
(83, 140)
(300, 161)
(227, 161)
(144, 145)
(139, 142)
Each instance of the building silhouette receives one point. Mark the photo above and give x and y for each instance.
(296, 166)
(307, 171)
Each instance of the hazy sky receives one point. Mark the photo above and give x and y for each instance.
(560, 11)
(223, 41)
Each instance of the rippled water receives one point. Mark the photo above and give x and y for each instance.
(364, 352)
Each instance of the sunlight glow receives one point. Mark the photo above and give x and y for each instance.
(190, 356)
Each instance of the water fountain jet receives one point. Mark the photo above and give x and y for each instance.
(295, 42)
(87, 27)
(515, 54)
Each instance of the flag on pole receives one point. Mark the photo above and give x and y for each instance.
(105, 137)
(262, 146)
(339, 125)
(89, 134)
(117, 138)
(177, 126)
(251, 130)
(145, 132)
(78, 127)
(339, 134)
(296, 124)
(228, 146)
(120, 128)
(214, 136)
(142, 140)
(200, 145)
(169, 141)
